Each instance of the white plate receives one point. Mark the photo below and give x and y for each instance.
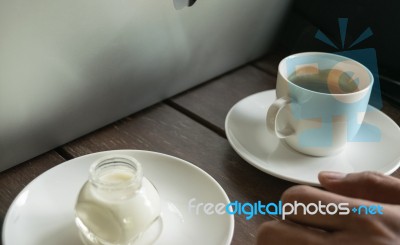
(247, 133)
(43, 213)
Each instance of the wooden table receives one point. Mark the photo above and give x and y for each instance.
(189, 126)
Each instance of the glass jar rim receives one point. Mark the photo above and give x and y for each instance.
(111, 161)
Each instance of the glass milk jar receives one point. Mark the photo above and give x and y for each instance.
(116, 205)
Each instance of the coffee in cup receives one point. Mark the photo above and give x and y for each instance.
(321, 102)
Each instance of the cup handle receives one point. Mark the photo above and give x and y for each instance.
(272, 117)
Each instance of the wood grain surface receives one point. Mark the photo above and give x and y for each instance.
(212, 101)
(270, 62)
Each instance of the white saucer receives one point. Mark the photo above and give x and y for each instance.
(246, 130)
(43, 213)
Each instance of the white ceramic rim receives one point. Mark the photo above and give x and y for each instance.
(280, 67)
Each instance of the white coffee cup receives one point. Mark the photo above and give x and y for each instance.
(321, 102)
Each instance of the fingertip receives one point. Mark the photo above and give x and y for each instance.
(296, 193)
(331, 176)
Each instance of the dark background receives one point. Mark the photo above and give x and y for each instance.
(306, 17)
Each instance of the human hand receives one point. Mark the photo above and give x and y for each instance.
(357, 189)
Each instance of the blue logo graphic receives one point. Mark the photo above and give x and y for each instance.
(332, 108)
(365, 56)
